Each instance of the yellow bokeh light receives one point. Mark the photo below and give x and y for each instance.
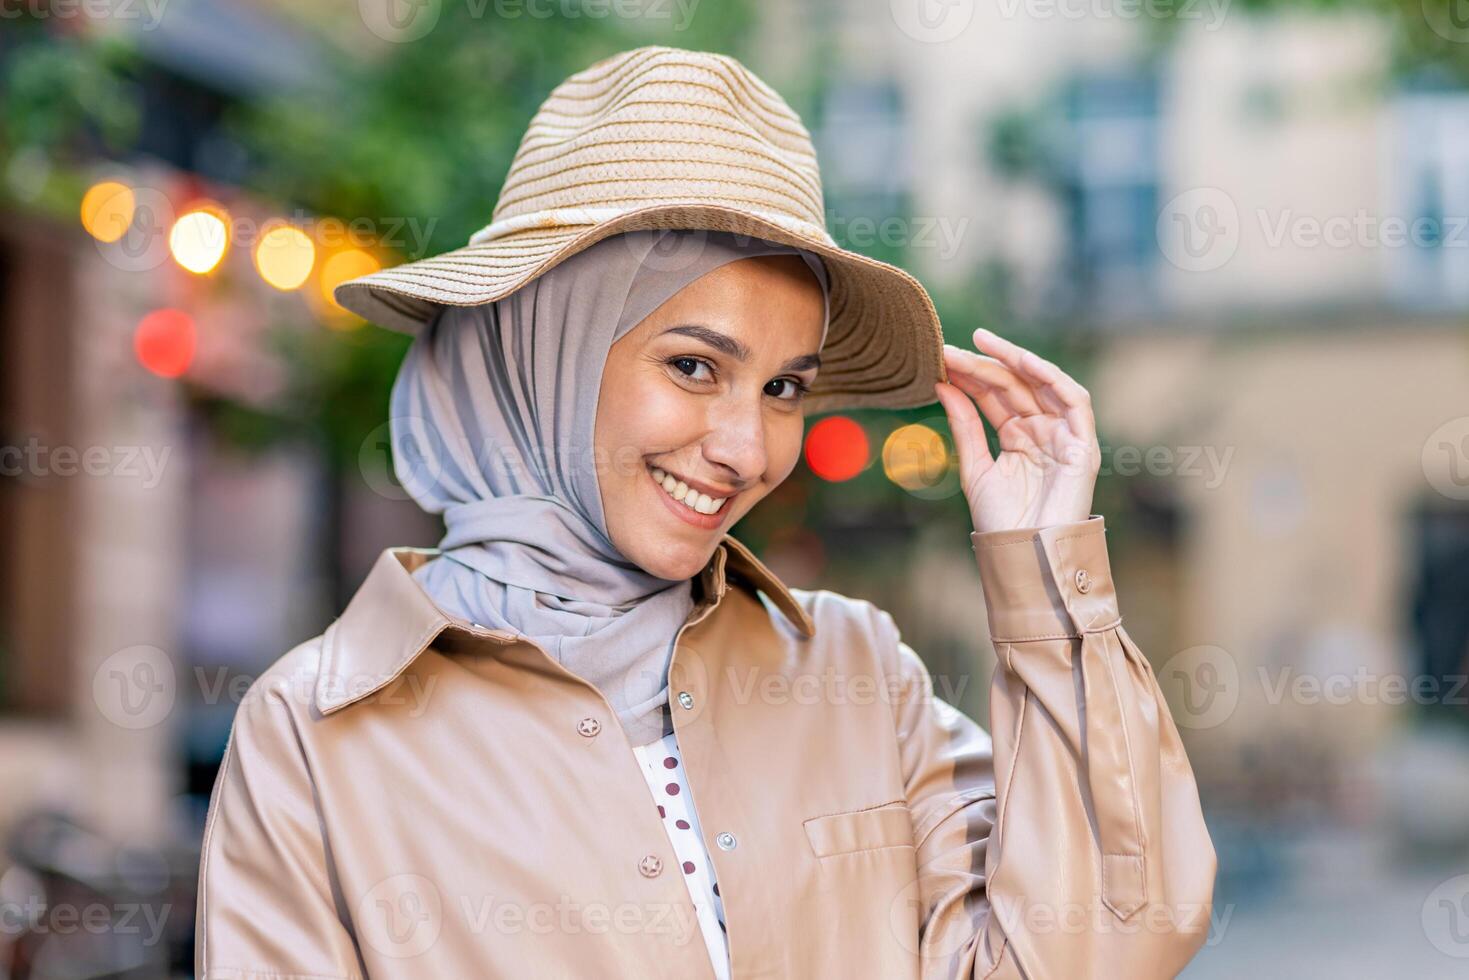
(284, 257)
(337, 269)
(198, 240)
(107, 210)
(915, 457)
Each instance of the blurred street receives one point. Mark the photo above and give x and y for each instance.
(1244, 227)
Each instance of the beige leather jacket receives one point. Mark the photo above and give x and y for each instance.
(411, 796)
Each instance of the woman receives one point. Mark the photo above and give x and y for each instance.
(590, 735)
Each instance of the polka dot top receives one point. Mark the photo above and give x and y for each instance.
(663, 769)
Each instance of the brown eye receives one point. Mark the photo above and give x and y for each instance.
(796, 390)
(687, 366)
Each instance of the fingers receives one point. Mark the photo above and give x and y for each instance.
(1002, 396)
(1014, 392)
(968, 430)
(1053, 387)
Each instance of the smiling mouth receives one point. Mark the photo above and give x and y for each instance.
(694, 500)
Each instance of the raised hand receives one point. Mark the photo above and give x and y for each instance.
(1049, 456)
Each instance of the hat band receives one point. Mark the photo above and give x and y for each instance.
(573, 217)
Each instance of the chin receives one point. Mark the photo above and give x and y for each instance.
(676, 560)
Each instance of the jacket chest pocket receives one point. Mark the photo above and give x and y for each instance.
(868, 829)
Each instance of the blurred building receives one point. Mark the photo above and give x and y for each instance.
(155, 567)
(1257, 227)
(1262, 233)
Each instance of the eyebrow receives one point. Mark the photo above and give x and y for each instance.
(726, 344)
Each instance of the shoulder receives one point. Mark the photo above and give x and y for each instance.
(848, 617)
(267, 748)
(819, 618)
(280, 701)
(850, 633)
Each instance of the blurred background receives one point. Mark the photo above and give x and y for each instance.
(1243, 225)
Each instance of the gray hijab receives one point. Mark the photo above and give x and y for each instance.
(493, 416)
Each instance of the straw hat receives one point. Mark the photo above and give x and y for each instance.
(660, 137)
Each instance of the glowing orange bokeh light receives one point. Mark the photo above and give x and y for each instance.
(199, 239)
(164, 342)
(284, 257)
(837, 448)
(107, 210)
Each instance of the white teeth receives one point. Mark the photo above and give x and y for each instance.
(693, 499)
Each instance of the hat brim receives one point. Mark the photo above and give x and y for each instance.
(884, 345)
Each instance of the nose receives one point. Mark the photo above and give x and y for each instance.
(735, 443)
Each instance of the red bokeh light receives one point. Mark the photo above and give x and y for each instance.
(837, 448)
(164, 342)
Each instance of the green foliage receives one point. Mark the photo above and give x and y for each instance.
(68, 96)
(416, 144)
(426, 133)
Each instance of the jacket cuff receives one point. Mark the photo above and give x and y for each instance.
(1044, 583)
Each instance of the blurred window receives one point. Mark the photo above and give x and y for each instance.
(862, 144)
(1429, 193)
(1109, 187)
(38, 499)
(1440, 616)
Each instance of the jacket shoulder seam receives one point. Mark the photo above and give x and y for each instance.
(209, 824)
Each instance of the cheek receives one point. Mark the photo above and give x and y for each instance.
(645, 419)
(665, 417)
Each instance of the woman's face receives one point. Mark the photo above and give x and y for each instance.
(705, 395)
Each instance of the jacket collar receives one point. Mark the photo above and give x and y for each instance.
(390, 620)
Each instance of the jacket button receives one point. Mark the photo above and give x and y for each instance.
(588, 727)
(650, 866)
(686, 699)
(726, 841)
(1083, 581)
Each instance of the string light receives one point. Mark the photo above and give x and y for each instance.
(164, 342)
(915, 457)
(107, 210)
(837, 448)
(199, 238)
(284, 257)
(347, 264)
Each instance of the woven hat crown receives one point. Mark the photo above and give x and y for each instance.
(661, 125)
(665, 138)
